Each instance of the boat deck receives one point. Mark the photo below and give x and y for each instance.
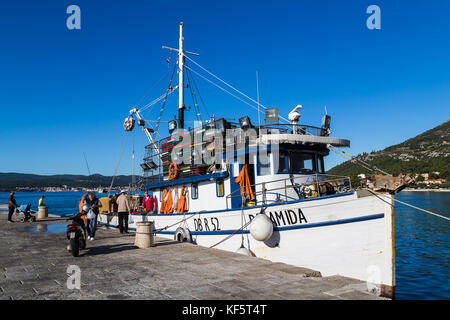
(34, 261)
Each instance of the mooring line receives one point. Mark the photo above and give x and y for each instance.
(409, 205)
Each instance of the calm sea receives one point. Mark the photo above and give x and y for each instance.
(422, 240)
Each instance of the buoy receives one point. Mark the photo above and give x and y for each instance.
(246, 252)
(261, 227)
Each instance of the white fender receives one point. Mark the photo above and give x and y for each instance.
(261, 227)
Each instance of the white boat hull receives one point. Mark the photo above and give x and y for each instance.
(337, 235)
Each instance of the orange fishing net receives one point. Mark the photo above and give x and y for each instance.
(244, 181)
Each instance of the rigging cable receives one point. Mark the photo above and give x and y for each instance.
(165, 99)
(221, 88)
(122, 147)
(194, 99)
(148, 92)
(198, 92)
(243, 94)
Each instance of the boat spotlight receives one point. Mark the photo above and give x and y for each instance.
(245, 123)
(272, 115)
(172, 126)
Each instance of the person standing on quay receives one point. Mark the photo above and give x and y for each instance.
(41, 201)
(123, 210)
(91, 221)
(12, 205)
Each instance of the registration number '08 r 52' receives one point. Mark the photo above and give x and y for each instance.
(72, 235)
(206, 224)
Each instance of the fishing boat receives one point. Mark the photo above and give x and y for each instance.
(261, 190)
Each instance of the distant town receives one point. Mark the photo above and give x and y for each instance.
(66, 188)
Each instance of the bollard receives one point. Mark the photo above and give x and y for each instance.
(42, 212)
(144, 234)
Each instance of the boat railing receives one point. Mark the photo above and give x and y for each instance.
(288, 128)
(304, 186)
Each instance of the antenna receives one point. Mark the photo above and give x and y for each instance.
(257, 93)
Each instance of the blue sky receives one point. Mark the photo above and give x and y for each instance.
(66, 92)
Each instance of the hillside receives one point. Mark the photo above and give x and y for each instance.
(19, 180)
(426, 153)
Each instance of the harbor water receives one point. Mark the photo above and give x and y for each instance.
(422, 240)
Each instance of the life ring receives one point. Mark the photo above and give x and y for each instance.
(173, 173)
(182, 235)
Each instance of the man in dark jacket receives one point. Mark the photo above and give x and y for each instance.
(12, 205)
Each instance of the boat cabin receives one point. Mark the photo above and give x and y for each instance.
(228, 165)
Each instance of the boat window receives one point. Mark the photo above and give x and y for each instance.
(194, 191)
(302, 162)
(282, 163)
(320, 164)
(263, 165)
(220, 190)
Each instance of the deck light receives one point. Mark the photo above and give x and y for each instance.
(272, 115)
(172, 126)
(245, 123)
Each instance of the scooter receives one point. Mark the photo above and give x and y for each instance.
(76, 233)
(28, 214)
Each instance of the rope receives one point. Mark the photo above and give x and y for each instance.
(333, 149)
(241, 228)
(228, 237)
(182, 220)
(409, 205)
(122, 147)
(358, 160)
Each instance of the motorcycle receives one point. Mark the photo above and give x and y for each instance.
(76, 233)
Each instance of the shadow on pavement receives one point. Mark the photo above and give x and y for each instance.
(108, 249)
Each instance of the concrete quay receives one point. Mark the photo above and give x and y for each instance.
(34, 266)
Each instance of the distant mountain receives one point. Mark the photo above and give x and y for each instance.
(19, 180)
(426, 153)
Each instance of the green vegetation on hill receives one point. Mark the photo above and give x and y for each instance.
(426, 153)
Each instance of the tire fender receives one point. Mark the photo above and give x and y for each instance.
(182, 235)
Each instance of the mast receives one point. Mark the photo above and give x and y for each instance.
(181, 80)
(181, 53)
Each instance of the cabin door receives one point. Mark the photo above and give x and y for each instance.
(236, 201)
(235, 169)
